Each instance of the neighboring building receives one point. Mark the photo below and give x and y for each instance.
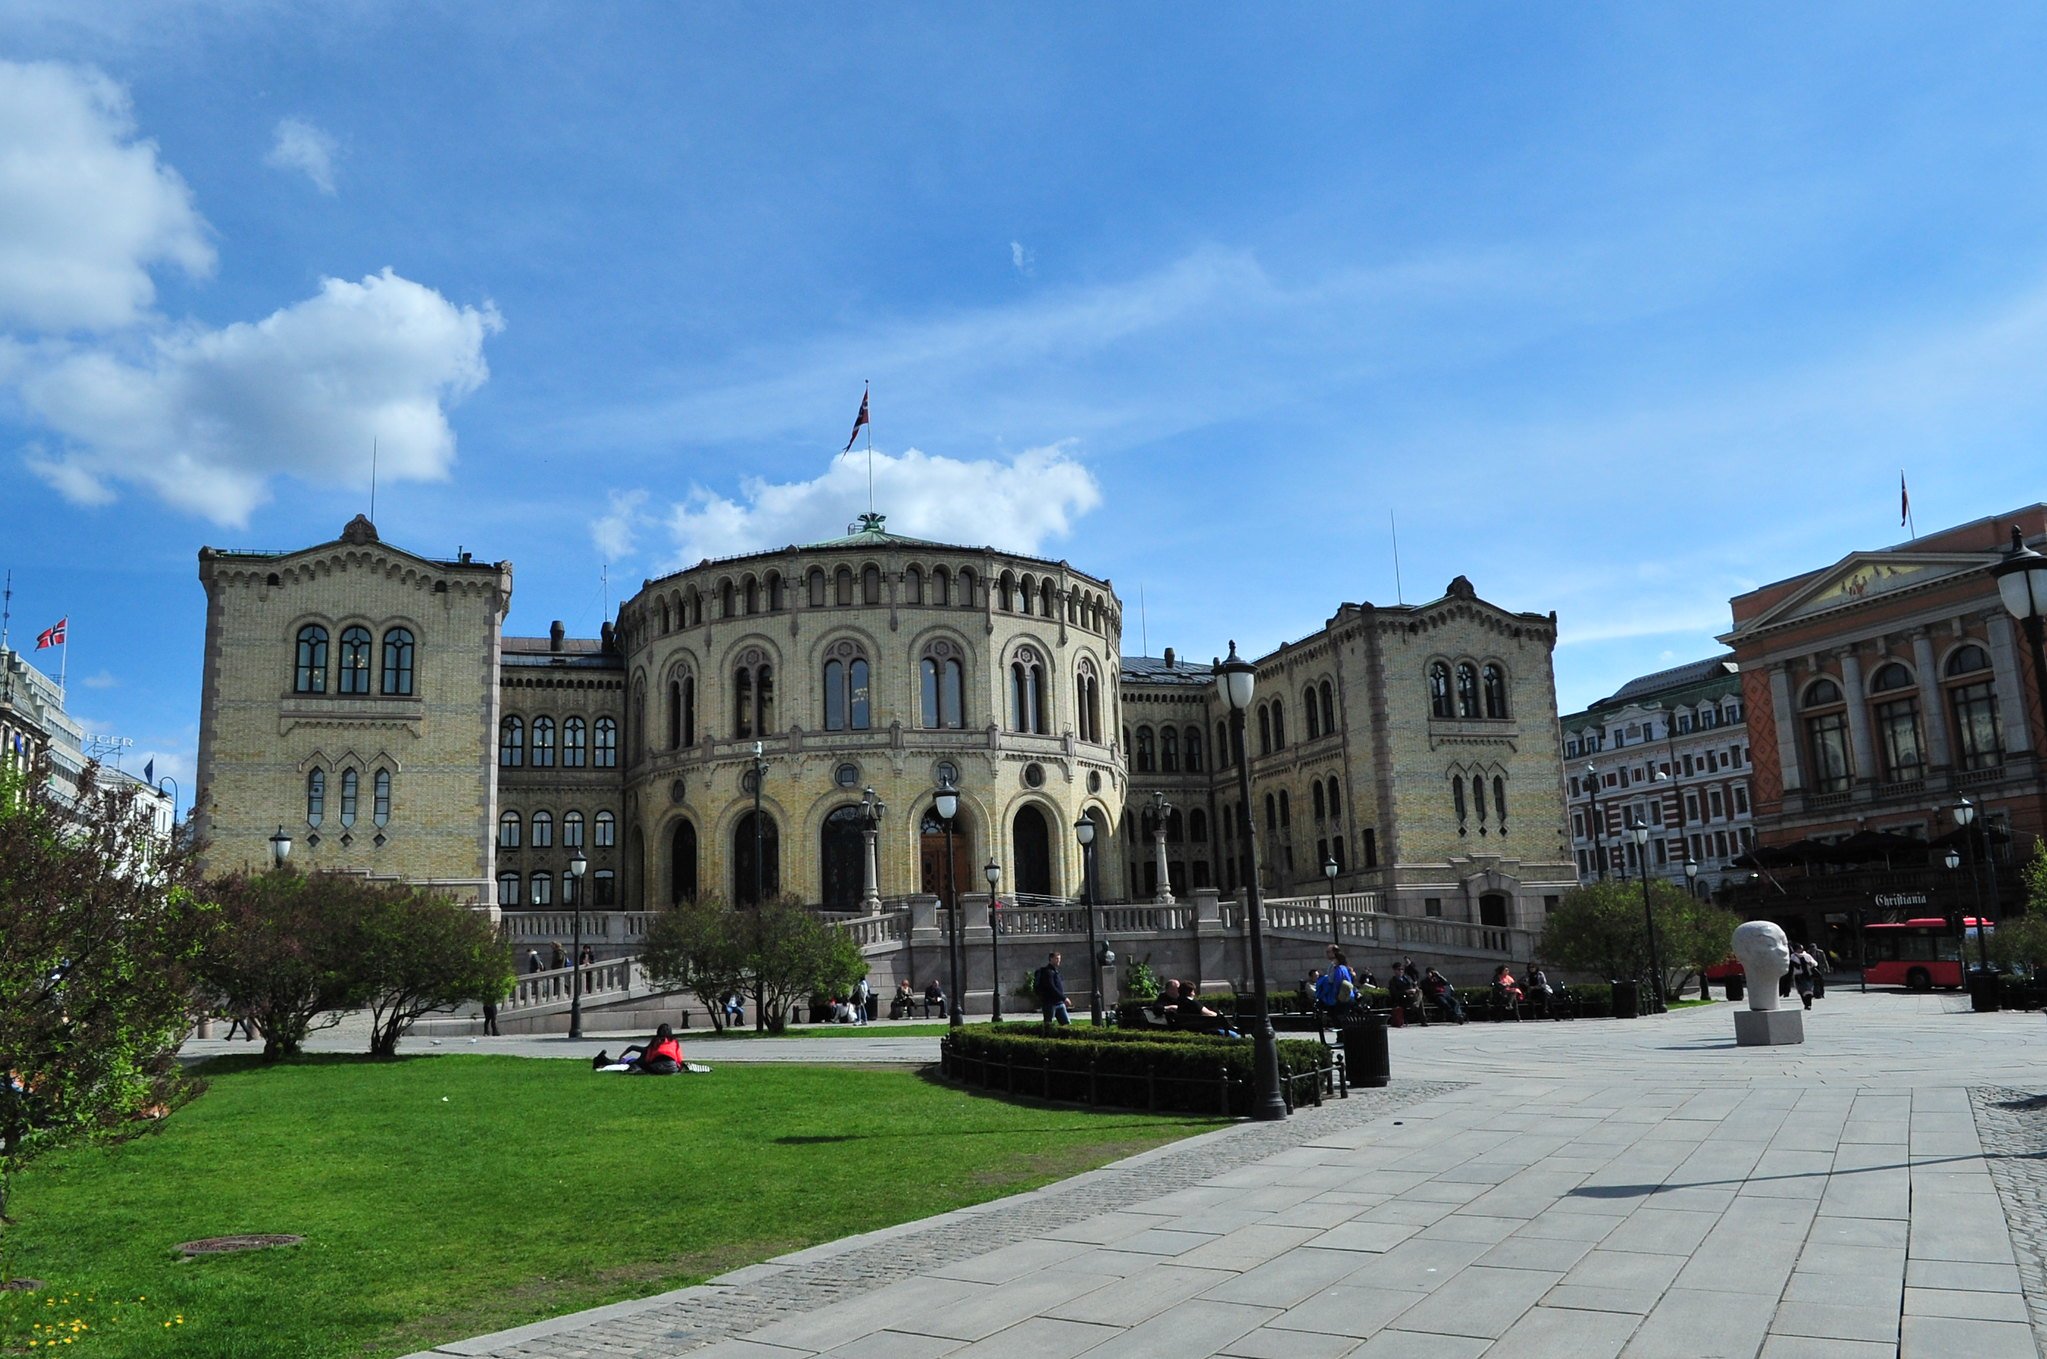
(1882, 690)
(35, 728)
(1668, 751)
(1422, 758)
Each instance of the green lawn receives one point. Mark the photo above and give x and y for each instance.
(443, 1197)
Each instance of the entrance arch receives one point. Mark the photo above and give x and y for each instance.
(1031, 840)
(743, 873)
(842, 859)
(1493, 908)
(931, 857)
(682, 864)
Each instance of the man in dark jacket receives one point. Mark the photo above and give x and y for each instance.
(1051, 990)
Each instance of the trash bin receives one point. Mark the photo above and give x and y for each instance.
(1736, 987)
(1627, 999)
(1365, 1057)
(1983, 996)
(873, 1006)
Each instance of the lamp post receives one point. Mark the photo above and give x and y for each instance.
(1592, 822)
(1639, 833)
(760, 774)
(280, 848)
(1692, 890)
(1160, 810)
(872, 809)
(1236, 680)
(1329, 872)
(2022, 584)
(577, 867)
(993, 872)
(946, 802)
(1965, 817)
(1084, 831)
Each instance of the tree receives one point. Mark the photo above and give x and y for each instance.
(696, 945)
(285, 955)
(1598, 928)
(2023, 938)
(420, 951)
(102, 928)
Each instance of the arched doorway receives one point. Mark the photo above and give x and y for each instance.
(682, 863)
(635, 870)
(842, 859)
(931, 857)
(1492, 909)
(1093, 857)
(1032, 841)
(745, 877)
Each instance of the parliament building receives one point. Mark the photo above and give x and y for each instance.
(366, 700)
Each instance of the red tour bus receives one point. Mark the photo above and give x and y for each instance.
(1918, 954)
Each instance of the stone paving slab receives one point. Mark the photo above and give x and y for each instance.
(1594, 1189)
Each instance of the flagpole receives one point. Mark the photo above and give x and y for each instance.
(866, 389)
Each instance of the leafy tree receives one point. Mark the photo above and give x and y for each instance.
(286, 955)
(2023, 938)
(1598, 928)
(420, 951)
(101, 931)
(696, 945)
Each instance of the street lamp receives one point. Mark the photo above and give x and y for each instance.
(1084, 831)
(760, 774)
(993, 872)
(1329, 872)
(1639, 833)
(1965, 817)
(946, 802)
(1236, 680)
(577, 867)
(280, 848)
(1160, 810)
(1593, 824)
(872, 809)
(2022, 584)
(1692, 890)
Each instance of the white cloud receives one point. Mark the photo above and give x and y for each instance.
(298, 145)
(1021, 259)
(617, 533)
(1018, 503)
(103, 680)
(88, 208)
(206, 417)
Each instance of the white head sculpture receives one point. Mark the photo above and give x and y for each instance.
(1765, 956)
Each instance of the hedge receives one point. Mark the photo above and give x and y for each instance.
(1198, 1073)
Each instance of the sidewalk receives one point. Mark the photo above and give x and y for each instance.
(1584, 1189)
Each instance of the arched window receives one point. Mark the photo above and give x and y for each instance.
(1826, 736)
(1197, 826)
(1499, 800)
(604, 831)
(756, 877)
(775, 601)
(310, 674)
(842, 585)
(1271, 812)
(355, 661)
(1046, 597)
(682, 863)
(1973, 708)
(682, 711)
(728, 605)
(1457, 797)
(846, 704)
(541, 827)
(817, 587)
(1896, 710)
(1087, 701)
(572, 830)
(1222, 745)
(753, 695)
(870, 585)
(1194, 750)
(543, 743)
(508, 891)
(941, 685)
(398, 652)
(316, 797)
(967, 600)
(349, 785)
(1027, 692)
(1495, 685)
(1440, 702)
(1320, 807)
(1478, 800)
(575, 743)
(1328, 709)
(1467, 690)
(1314, 712)
(1146, 756)
(511, 743)
(1286, 809)
(913, 585)
(380, 797)
(1335, 802)
(1169, 750)
(508, 830)
(941, 586)
(1264, 729)
(606, 744)
(543, 889)
(1006, 591)
(750, 594)
(842, 857)
(1278, 724)
(1176, 829)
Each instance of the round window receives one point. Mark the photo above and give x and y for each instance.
(676, 790)
(1094, 780)
(1034, 776)
(947, 772)
(847, 776)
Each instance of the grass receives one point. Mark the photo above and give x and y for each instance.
(443, 1197)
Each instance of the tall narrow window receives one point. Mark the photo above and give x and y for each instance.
(1278, 725)
(355, 661)
(508, 891)
(349, 783)
(1264, 729)
(543, 743)
(858, 706)
(1027, 692)
(511, 743)
(605, 832)
(1321, 806)
(1194, 750)
(1087, 702)
(842, 585)
(1314, 712)
(1169, 749)
(508, 830)
(316, 797)
(398, 651)
(1974, 709)
(1146, 751)
(380, 797)
(941, 586)
(1826, 736)
(1329, 718)
(913, 586)
(1495, 684)
(1457, 798)
(742, 702)
(575, 743)
(542, 827)
(816, 587)
(572, 830)
(606, 743)
(543, 889)
(310, 675)
(1897, 722)
(1467, 690)
(675, 714)
(1335, 800)
(870, 585)
(1478, 798)
(1440, 702)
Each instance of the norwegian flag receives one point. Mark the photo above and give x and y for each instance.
(49, 637)
(858, 421)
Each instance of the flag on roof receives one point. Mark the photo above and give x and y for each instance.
(858, 421)
(149, 773)
(49, 637)
(1904, 501)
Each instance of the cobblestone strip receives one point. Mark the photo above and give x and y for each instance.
(749, 1299)
(2012, 1125)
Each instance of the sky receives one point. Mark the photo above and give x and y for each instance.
(1617, 310)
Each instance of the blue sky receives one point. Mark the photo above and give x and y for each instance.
(1623, 310)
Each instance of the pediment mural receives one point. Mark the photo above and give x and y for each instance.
(1865, 577)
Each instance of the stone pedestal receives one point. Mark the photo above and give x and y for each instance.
(1768, 1028)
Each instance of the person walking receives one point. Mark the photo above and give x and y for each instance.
(860, 994)
(1051, 989)
(532, 961)
(490, 1020)
(557, 959)
(1803, 970)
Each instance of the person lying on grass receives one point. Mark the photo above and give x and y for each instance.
(660, 1055)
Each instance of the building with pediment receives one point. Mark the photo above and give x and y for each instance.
(364, 699)
(1881, 691)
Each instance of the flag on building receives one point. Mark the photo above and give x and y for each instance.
(49, 637)
(1904, 501)
(149, 773)
(858, 421)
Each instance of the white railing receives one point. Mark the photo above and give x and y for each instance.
(1360, 920)
(617, 979)
(876, 931)
(558, 926)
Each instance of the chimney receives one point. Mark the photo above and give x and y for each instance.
(554, 636)
(1169, 658)
(610, 636)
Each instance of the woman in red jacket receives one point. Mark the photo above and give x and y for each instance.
(661, 1055)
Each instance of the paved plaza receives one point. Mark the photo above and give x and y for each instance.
(1584, 1189)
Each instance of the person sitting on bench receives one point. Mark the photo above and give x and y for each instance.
(900, 1003)
(1189, 1013)
(1437, 988)
(1408, 996)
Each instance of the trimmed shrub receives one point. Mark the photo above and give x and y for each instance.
(1192, 1072)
